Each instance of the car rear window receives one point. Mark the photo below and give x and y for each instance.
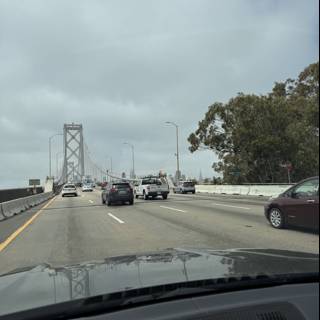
(188, 184)
(69, 186)
(152, 181)
(122, 185)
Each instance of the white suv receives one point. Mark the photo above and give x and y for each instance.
(185, 187)
(69, 189)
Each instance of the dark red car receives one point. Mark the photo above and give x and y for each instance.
(298, 206)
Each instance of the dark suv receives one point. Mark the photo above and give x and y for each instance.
(117, 192)
(297, 206)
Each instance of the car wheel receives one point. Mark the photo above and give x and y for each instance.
(164, 196)
(103, 201)
(62, 195)
(108, 203)
(145, 196)
(131, 202)
(276, 218)
(137, 196)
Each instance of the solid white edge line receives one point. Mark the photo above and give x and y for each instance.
(174, 209)
(115, 218)
(227, 205)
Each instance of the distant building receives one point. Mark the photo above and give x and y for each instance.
(200, 180)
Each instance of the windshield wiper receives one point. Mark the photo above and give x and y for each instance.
(142, 296)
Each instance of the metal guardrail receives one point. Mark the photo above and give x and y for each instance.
(13, 207)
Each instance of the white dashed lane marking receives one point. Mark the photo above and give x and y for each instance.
(227, 205)
(115, 218)
(173, 209)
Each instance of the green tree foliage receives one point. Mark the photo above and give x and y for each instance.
(206, 181)
(217, 180)
(254, 136)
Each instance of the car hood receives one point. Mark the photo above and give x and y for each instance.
(45, 285)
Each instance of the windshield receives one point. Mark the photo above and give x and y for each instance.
(155, 138)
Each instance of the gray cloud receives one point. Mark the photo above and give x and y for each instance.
(123, 68)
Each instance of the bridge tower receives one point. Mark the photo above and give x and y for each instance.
(73, 165)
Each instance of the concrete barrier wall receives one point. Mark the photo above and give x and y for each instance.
(13, 207)
(2, 217)
(246, 190)
(12, 194)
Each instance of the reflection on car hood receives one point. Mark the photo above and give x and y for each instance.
(44, 285)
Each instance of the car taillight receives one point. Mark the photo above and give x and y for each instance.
(113, 189)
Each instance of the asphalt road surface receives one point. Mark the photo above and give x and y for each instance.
(71, 230)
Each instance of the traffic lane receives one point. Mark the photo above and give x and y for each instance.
(248, 215)
(75, 230)
(77, 236)
(250, 212)
(83, 200)
(69, 232)
(240, 215)
(245, 229)
(256, 211)
(141, 231)
(49, 238)
(145, 230)
(228, 226)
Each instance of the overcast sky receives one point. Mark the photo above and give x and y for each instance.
(123, 68)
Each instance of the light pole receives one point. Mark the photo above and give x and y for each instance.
(132, 149)
(177, 154)
(50, 138)
(57, 159)
(111, 169)
(110, 163)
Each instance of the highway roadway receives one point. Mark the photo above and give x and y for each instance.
(72, 230)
